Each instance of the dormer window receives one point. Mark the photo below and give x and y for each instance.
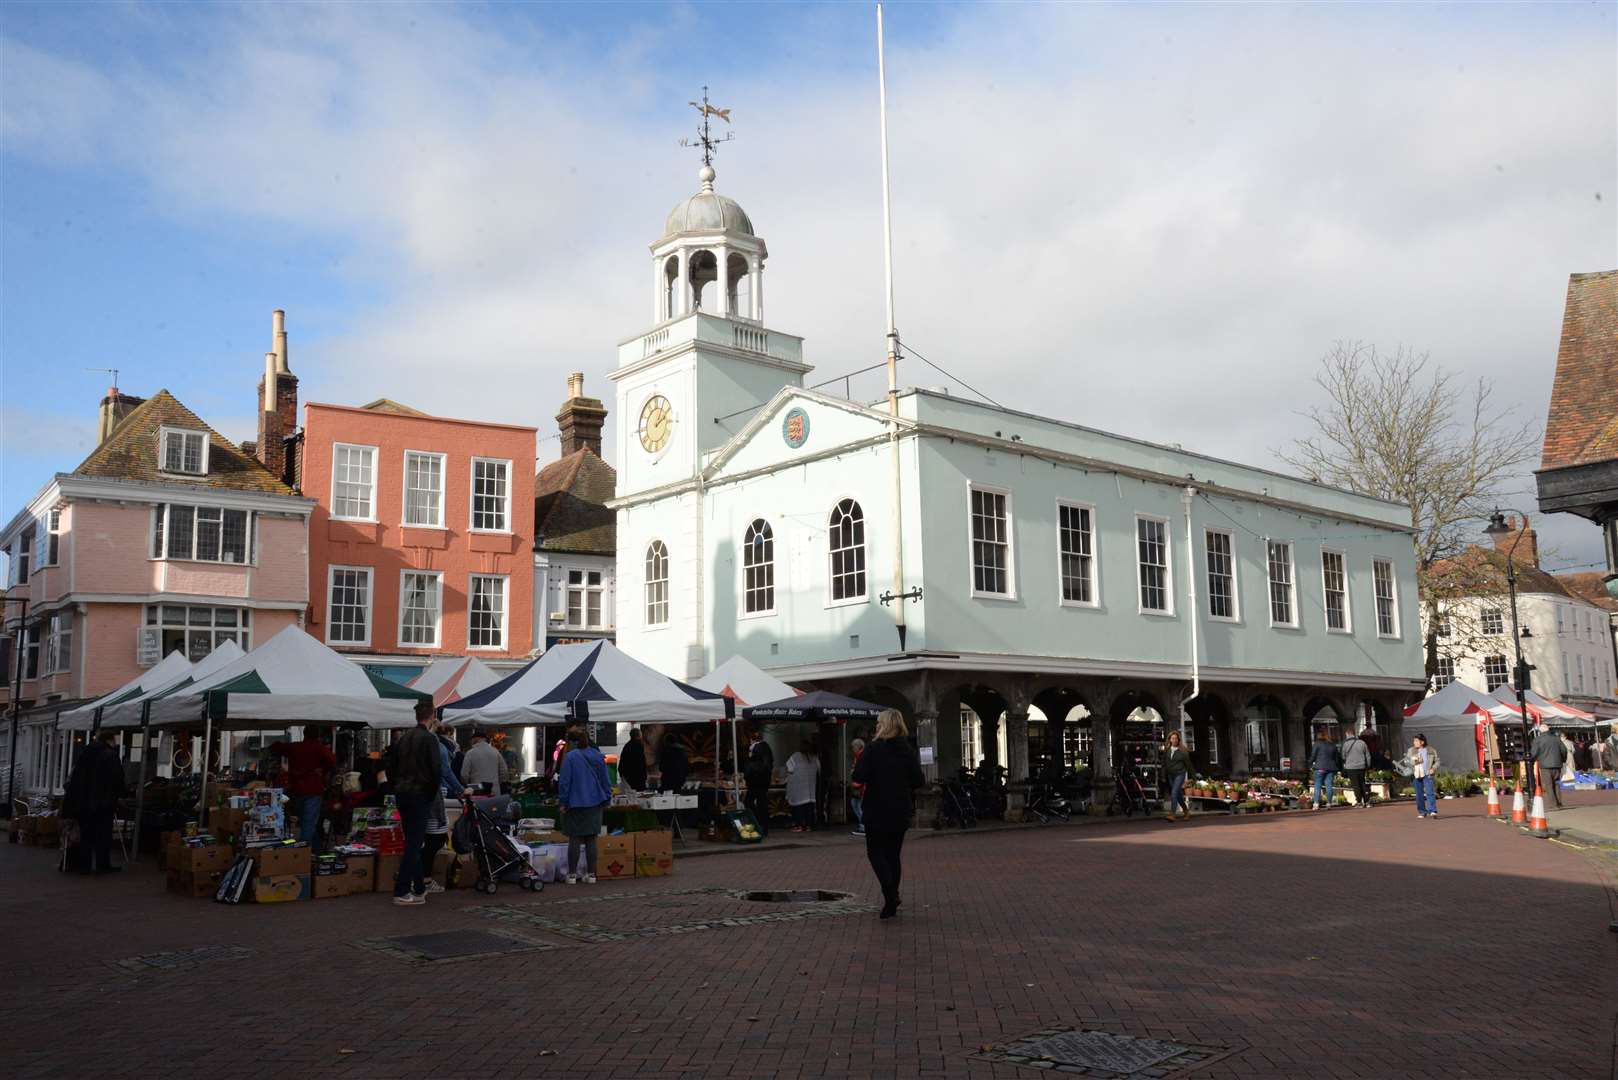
(184, 452)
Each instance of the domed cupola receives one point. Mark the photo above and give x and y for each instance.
(708, 259)
(708, 212)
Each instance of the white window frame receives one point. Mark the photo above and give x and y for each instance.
(773, 563)
(163, 512)
(56, 660)
(1011, 546)
(1503, 670)
(53, 537)
(1292, 584)
(584, 589)
(862, 547)
(438, 611)
(404, 489)
(1567, 676)
(1499, 618)
(472, 495)
(1442, 678)
(370, 604)
(1348, 607)
(163, 434)
(375, 476)
(505, 612)
(1561, 621)
(1168, 568)
(1393, 600)
(1094, 556)
(1235, 577)
(1579, 660)
(647, 581)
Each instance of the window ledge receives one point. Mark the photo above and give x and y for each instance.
(770, 614)
(1008, 597)
(1082, 605)
(851, 601)
(1155, 614)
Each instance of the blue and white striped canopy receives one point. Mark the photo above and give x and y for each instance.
(588, 681)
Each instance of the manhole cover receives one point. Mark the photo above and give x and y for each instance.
(1102, 1054)
(452, 945)
(186, 958)
(797, 896)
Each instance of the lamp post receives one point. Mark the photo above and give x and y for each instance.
(1498, 528)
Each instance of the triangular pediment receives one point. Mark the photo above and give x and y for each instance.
(797, 424)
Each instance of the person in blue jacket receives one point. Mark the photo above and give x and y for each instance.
(584, 792)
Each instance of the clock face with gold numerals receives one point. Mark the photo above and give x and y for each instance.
(656, 423)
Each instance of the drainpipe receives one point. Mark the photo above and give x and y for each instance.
(1186, 496)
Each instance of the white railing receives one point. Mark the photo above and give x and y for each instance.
(654, 342)
(750, 339)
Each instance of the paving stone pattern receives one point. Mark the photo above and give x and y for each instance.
(1353, 943)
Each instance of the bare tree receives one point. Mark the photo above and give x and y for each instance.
(1398, 428)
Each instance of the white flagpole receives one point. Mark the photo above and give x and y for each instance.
(892, 340)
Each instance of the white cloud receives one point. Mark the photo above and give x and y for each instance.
(1150, 220)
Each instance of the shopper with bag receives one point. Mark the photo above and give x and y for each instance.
(1325, 760)
(1548, 755)
(1420, 763)
(91, 800)
(1356, 755)
(585, 791)
(891, 772)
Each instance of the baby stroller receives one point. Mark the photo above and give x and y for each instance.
(482, 833)
(1128, 795)
(955, 805)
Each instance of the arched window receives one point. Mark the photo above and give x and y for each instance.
(847, 547)
(758, 568)
(657, 584)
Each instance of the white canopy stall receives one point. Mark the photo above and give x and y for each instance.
(454, 677)
(86, 717)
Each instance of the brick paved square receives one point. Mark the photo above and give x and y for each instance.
(1345, 944)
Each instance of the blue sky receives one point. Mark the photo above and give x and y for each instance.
(452, 202)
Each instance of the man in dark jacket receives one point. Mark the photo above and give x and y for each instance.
(758, 771)
(91, 799)
(891, 771)
(632, 761)
(673, 766)
(1324, 760)
(416, 758)
(1356, 759)
(1548, 755)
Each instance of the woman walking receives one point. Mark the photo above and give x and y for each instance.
(803, 782)
(1177, 767)
(857, 791)
(585, 791)
(890, 773)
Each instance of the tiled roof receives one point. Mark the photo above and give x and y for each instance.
(570, 511)
(388, 405)
(130, 452)
(1582, 426)
(1589, 586)
(1487, 567)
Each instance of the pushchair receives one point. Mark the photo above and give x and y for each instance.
(955, 805)
(1128, 795)
(482, 832)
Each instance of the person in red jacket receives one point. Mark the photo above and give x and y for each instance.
(310, 763)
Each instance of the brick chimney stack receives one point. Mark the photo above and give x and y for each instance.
(114, 407)
(1527, 547)
(277, 401)
(581, 418)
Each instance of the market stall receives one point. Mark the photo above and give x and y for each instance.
(818, 707)
(88, 717)
(453, 678)
(1451, 718)
(1555, 714)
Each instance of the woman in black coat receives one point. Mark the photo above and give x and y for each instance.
(891, 772)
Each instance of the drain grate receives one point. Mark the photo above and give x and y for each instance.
(452, 945)
(1105, 1055)
(183, 959)
(798, 896)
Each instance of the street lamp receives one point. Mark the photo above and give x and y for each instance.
(1497, 529)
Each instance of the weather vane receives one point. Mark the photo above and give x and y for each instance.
(705, 137)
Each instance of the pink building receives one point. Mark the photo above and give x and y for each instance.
(166, 537)
(421, 543)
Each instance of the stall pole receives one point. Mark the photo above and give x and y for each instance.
(207, 740)
(843, 745)
(140, 790)
(735, 766)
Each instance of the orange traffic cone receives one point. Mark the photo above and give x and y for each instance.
(1494, 800)
(1518, 814)
(1537, 825)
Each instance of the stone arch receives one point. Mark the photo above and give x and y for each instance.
(1068, 740)
(987, 704)
(1264, 732)
(1213, 733)
(702, 270)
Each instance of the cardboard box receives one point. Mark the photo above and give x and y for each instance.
(443, 862)
(328, 886)
(387, 868)
(199, 886)
(280, 888)
(47, 830)
(615, 857)
(466, 871)
(226, 821)
(654, 854)
(281, 860)
(361, 876)
(211, 858)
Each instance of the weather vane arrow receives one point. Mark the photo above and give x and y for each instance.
(705, 136)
